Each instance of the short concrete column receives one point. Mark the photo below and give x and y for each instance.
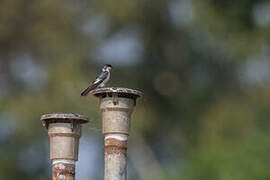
(64, 130)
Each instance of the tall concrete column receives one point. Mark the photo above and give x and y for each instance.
(116, 105)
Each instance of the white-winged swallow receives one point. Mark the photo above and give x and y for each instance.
(100, 80)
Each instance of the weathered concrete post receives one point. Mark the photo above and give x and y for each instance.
(116, 105)
(64, 130)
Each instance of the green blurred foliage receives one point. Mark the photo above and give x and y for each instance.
(203, 66)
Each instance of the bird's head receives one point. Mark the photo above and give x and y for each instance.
(107, 67)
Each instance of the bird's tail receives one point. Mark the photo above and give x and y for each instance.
(87, 90)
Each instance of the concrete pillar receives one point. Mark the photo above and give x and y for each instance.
(116, 105)
(64, 130)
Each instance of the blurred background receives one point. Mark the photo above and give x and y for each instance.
(203, 66)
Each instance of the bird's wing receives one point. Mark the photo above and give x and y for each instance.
(102, 76)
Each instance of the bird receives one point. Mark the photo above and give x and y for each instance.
(100, 80)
